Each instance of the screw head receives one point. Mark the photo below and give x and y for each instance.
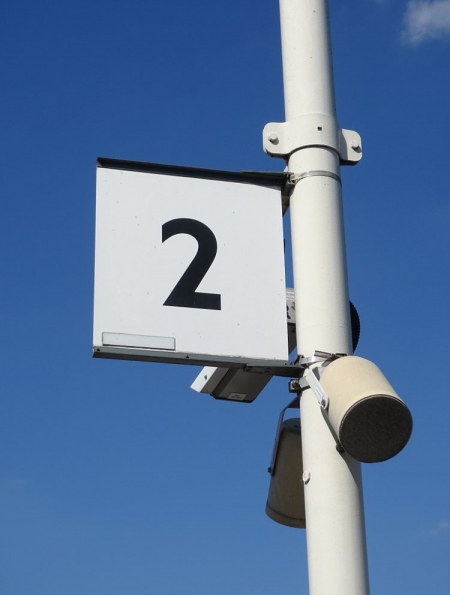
(273, 138)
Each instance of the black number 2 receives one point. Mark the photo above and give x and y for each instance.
(183, 294)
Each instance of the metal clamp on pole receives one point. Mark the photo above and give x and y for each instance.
(311, 379)
(318, 357)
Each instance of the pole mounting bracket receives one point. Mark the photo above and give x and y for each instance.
(312, 378)
(281, 139)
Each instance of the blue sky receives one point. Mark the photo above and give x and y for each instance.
(115, 477)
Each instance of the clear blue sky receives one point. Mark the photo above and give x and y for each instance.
(115, 477)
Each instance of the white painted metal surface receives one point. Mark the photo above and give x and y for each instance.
(337, 560)
(230, 306)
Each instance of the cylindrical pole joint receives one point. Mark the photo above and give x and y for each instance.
(337, 560)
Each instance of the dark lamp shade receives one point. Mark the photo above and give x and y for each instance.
(286, 501)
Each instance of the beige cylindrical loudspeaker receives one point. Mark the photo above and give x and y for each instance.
(286, 501)
(370, 420)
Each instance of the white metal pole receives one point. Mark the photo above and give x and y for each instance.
(337, 560)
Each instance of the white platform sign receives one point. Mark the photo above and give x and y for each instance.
(188, 269)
